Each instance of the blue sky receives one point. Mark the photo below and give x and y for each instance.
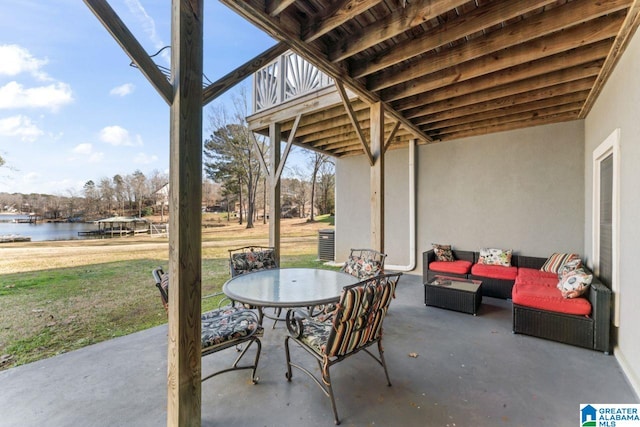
(71, 107)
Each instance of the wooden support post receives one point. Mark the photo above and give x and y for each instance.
(377, 176)
(275, 138)
(185, 241)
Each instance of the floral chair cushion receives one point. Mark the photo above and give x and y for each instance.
(227, 324)
(362, 268)
(246, 262)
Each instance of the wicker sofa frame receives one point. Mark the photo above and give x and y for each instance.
(497, 288)
(590, 332)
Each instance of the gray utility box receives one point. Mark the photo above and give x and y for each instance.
(326, 244)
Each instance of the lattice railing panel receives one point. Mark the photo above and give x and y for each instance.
(286, 78)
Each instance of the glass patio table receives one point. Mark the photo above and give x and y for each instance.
(288, 287)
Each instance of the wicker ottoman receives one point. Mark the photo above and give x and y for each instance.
(453, 293)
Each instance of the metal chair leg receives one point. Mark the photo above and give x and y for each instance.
(326, 378)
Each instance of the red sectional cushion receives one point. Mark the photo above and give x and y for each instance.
(534, 273)
(544, 295)
(494, 271)
(457, 267)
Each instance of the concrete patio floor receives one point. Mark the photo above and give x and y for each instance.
(469, 371)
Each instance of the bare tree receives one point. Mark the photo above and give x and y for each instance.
(120, 192)
(106, 194)
(316, 160)
(326, 188)
(232, 160)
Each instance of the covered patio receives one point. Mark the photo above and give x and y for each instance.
(469, 371)
(422, 72)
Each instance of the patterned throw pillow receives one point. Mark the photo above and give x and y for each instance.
(492, 256)
(569, 266)
(443, 252)
(556, 261)
(575, 283)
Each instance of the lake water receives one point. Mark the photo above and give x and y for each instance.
(43, 230)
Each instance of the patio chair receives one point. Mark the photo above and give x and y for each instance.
(254, 258)
(251, 258)
(364, 263)
(355, 325)
(224, 327)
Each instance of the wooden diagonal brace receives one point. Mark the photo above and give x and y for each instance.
(354, 121)
(292, 135)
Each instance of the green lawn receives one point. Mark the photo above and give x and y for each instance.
(47, 312)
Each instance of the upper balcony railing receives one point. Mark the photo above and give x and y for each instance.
(286, 78)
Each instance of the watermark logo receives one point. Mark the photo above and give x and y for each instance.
(609, 415)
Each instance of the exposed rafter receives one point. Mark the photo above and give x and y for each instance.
(445, 68)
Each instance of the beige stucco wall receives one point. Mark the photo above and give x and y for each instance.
(521, 189)
(618, 106)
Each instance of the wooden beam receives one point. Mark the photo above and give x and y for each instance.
(587, 55)
(551, 79)
(354, 121)
(307, 104)
(275, 138)
(510, 117)
(387, 141)
(334, 16)
(509, 101)
(276, 7)
(575, 97)
(185, 216)
(287, 30)
(132, 47)
(329, 118)
(292, 135)
(377, 177)
(628, 29)
(225, 83)
(402, 19)
(538, 30)
(478, 19)
(557, 42)
(512, 126)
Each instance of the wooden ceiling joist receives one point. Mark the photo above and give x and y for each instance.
(586, 56)
(510, 101)
(576, 97)
(460, 27)
(547, 46)
(538, 35)
(339, 13)
(400, 20)
(446, 68)
(552, 79)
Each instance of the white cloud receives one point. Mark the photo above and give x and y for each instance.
(20, 126)
(15, 60)
(122, 90)
(119, 136)
(84, 148)
(145, 159)
(53, 96)
(95, 157)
